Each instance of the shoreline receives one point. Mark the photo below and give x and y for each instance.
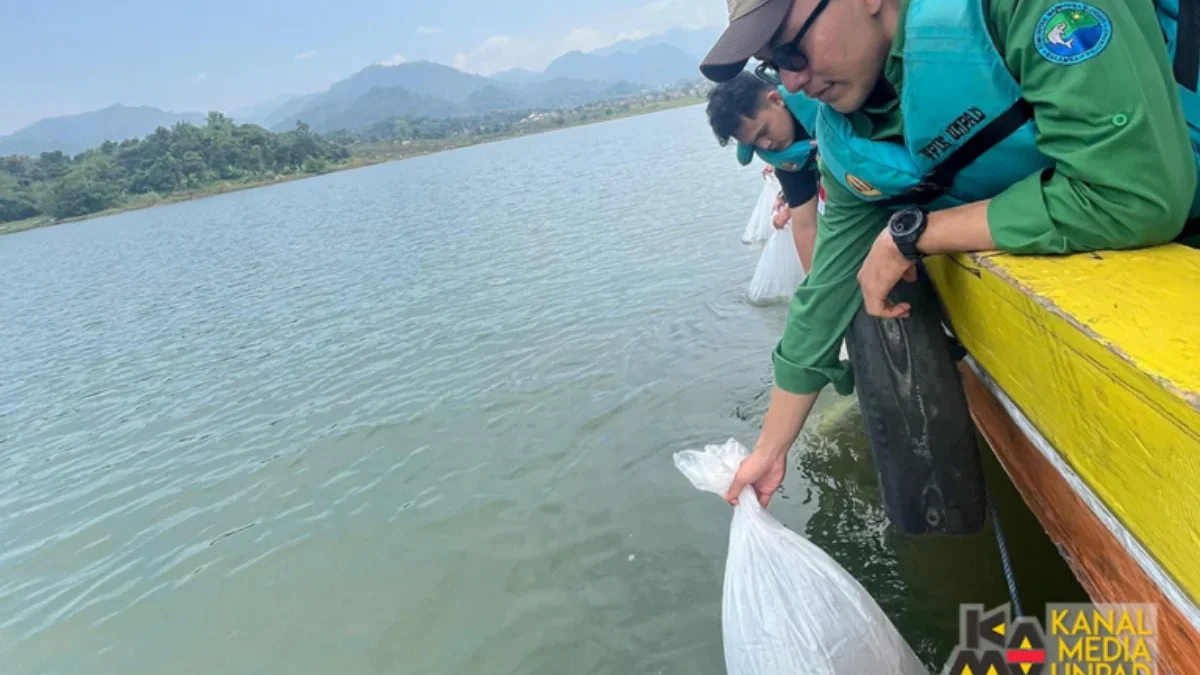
(388, 152)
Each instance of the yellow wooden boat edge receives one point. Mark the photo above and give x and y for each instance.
(1121, 410)
(1181, 270)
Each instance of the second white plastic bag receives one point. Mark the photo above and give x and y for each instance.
(788, 608)
(759, 228)
(779, 271)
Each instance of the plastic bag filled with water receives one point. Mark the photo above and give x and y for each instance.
(779, 271)
(759, 228)
(787, 607)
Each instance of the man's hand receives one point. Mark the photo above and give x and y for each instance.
(764, 468)
(761, 470)
(781, 213)
(767, 171)
(884, 267)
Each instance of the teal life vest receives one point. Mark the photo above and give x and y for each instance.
(799, 153)
(970, 141)
(1180, 21)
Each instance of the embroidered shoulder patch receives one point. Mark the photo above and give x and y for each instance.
(862, 187)
(1072, 32)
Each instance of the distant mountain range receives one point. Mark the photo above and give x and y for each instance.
(291, 107)
(76, 133)
(422, 89)
(693, 42)
(516, 76)
(654, 65)
(258, 113)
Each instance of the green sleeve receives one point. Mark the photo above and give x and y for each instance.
(806, 358)
(1123, 174)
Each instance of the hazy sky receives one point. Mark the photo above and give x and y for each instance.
(67, 56)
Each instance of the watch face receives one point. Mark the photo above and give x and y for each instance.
(905, 221)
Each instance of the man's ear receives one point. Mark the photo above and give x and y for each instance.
(873, 7)
(774, 97)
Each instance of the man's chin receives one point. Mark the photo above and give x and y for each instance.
(845, 104)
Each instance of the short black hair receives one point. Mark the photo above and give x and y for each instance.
(732, 102)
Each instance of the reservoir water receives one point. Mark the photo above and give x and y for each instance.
(418, 418)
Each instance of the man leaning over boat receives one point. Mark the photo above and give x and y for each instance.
(1026, 126)
(767, 121)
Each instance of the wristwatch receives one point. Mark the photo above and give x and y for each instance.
(906, 227)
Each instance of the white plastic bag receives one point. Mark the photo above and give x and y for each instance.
(788, 608)
(759, 228)
(779, 271)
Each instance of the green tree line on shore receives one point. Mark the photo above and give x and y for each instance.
(182, 158)
(411, 128)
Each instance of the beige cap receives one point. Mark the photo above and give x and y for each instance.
(752, 23)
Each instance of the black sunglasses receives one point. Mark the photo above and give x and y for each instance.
(788, 56)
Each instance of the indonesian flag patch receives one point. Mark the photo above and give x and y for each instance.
(820, 198)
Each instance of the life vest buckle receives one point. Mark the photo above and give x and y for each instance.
(920, 194)
(924, 192)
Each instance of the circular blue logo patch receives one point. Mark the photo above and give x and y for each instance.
(1071, 32)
